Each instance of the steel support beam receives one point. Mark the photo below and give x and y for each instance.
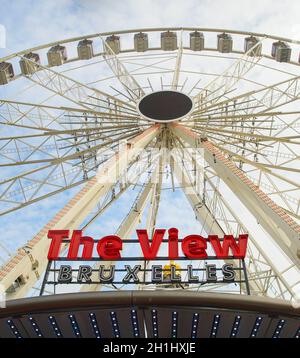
(204, 210)
(279, 225)
(128, 225)
(176, 74)
(126, 79)
(75, 91)
(265, 99)
(217, 89)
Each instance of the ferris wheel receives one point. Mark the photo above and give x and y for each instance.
(100, 111)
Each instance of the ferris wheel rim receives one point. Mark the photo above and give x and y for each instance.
(151, 29)
(153, 49)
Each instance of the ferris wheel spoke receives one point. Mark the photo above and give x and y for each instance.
(70, 89)
(234, 144)
(263, 167)
(24, 147)
(289, 203)
(155, 195)
(85, 130)
(216, 117)
(129, 223)
(23, 174)
(21, 190)
(41, 117)
(294, 125)
(153, 198)
(176, 73)
(242, 158)
(129, 98)
(106, 117)
(264, 209)
(42, 120)
(80, 141)
(88, 139)
(74, 155)
(19, 194)
(77, 209)
(270, 182)
(22, 150)
(126, 79)
(14, 187)
(136, 169)
(152, 66)
(117, 112)
(234, 140)
(256, 259)
(269, 97)
(258, 137)
(289, 155)
(217, 88)
(17, 105)
(12, 113)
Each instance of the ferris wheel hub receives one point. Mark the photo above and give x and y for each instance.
(165, 106)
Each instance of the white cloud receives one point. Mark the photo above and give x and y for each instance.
(34, 22)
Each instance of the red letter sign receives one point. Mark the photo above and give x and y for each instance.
(76, 241)
(109, 247)
(56, 236)
(222, 252)
(150, 252)
(194, 247)
(173, 243)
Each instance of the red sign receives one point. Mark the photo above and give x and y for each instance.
(110, 247)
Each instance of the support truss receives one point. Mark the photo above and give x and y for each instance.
(71, 89)
(268, 97)
(217, 217)
(223, 84)
(279, 225)
(19, 275)
(128, 224)
(127, 80)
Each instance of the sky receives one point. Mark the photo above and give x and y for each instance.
(30, 23)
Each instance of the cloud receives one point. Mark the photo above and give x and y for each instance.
(34, 22)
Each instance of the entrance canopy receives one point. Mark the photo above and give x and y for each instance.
(162, 314)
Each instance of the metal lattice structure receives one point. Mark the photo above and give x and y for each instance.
(76, 121)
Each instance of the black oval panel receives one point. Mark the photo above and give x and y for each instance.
(165, 105)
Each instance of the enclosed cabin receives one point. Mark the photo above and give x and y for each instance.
(114, 43)
(281, 51)
(168, 41)
(141, 42)
(85, 49)
(224, 43)
(253, 43)
(29, 63)
(196, 41)
(57, 55)
(6, 72)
